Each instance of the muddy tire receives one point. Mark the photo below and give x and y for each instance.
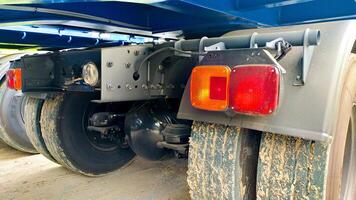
(293, 168)
(32, 117)
(222, 162)
(65, 135)
(12, 125)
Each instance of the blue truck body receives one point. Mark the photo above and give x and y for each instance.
(24, 22)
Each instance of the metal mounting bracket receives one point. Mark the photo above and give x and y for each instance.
(308, 50)
(253, 40)
(216, 47)
(201, 47)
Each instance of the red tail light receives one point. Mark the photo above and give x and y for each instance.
(254, 89)
(14, 79)
(248, 89)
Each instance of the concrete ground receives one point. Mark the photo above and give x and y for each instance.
(33, 177)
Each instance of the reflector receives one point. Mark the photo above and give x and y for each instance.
(209, 87)
(218, 88)
(14, 79)
(254, 89)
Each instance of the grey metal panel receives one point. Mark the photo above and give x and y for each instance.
(308, 111)
(117, 83)
(157, 79)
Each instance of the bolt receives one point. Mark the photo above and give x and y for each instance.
(127, 65)
(159, 86)
(128, 86)
(109, 86)
(160, 67)
(109, 64)
(144, 86)
(298, 77)
(170, 86)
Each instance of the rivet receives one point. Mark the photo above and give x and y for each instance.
(128, 86)
(109, 64)
(109, 86)
(136, 52)
(127, 65)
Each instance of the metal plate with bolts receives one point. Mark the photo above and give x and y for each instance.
(117, 70)
(159, 77)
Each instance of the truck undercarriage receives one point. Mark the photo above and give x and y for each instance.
(265, 113)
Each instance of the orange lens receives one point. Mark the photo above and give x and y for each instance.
(209, 87)
(14, 79)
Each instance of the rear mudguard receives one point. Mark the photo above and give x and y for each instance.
(309, 111)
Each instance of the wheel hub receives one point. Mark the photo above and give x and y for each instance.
(105, 130)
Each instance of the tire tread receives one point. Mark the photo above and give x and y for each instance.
(4, 135)
(33, 128)
(215, 167)
(291, 168)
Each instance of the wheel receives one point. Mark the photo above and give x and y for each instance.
(12, 125)
(64, 121)
(32, 118)
(222, 162)
(293, 167)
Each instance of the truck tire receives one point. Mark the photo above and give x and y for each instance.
(12, 125)
(64, 132)
(222, 162)
(294, 168)
(32, 117)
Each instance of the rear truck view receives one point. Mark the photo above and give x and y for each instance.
(259, 113)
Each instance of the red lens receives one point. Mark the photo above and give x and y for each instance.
(10, 75)
(14, 79)
(218, 87)
(254, 89)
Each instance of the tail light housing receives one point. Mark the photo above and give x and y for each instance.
(245, 89)
(14, 79)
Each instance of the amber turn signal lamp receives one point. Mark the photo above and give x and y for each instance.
(209, 87)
